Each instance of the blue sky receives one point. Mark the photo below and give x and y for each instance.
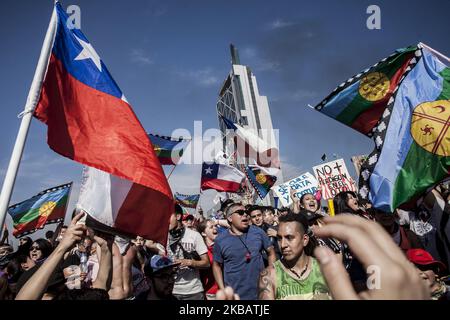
(170, 58)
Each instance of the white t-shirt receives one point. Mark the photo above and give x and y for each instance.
(188, 279)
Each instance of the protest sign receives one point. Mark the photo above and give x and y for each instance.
(306, 183)
(333, 177)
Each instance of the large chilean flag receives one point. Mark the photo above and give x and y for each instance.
(221, 177)
(90, 121)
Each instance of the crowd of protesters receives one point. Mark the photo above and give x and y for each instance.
(245, 251)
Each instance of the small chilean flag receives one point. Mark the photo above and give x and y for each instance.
(221, 177)
(90, 121)
(250, 146)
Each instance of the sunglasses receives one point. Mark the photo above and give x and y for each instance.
(240, 212)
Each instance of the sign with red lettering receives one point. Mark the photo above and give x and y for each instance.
(333, 177)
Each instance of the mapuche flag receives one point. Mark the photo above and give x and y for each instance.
(189, 201)
(262, 181)
(49, 206)
(360, 101)
(90, 121)
(168, 150)
(412, 139)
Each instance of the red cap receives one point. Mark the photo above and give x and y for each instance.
(423, 258)
(187, 216)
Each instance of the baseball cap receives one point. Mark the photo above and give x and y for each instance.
(188, 216)
(157, 263)
(421, 257)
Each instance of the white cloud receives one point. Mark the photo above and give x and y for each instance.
(290, 171)
(140, 57)
(303, 94)
(248, 52)
(203, 77)
(279, 23)
(252, 57)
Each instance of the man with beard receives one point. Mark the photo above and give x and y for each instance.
(296, 276)
(238, 252)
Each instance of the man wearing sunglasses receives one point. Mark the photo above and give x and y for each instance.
(237, 254)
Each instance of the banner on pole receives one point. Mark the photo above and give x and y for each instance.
(305, 183)
(333, 177)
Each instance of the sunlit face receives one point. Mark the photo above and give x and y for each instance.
(61, 234)
(188, 223)
(257, 217)
(139, 241)
(85, 245)
(430, 279)
(239, 218)
(310, 203)
(291, 240)
(210, 231)
(35, 252)
(269, 217)
(173, 223)
(352, 202)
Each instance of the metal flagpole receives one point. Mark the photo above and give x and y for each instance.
(32, 100)
(173, 169)
(435, 51)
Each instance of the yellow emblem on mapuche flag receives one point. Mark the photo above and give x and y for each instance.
(430, 126)
(374, 86)
(46, 209)
(261, 178)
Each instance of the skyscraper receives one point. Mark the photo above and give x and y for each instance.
(240, 101)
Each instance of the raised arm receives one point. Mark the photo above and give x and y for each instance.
(35, 287)
(104, 276)
(295, 201)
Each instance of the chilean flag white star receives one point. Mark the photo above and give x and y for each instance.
(89, 53)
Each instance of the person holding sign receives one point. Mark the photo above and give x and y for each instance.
(307, 202)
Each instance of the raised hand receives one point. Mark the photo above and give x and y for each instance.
(375, 249)
(74, 232)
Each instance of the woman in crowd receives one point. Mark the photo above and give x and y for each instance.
(208, 230)
(347, 202)
(40, 250)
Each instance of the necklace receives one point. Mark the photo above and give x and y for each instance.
(302, 272)
(248, 255)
